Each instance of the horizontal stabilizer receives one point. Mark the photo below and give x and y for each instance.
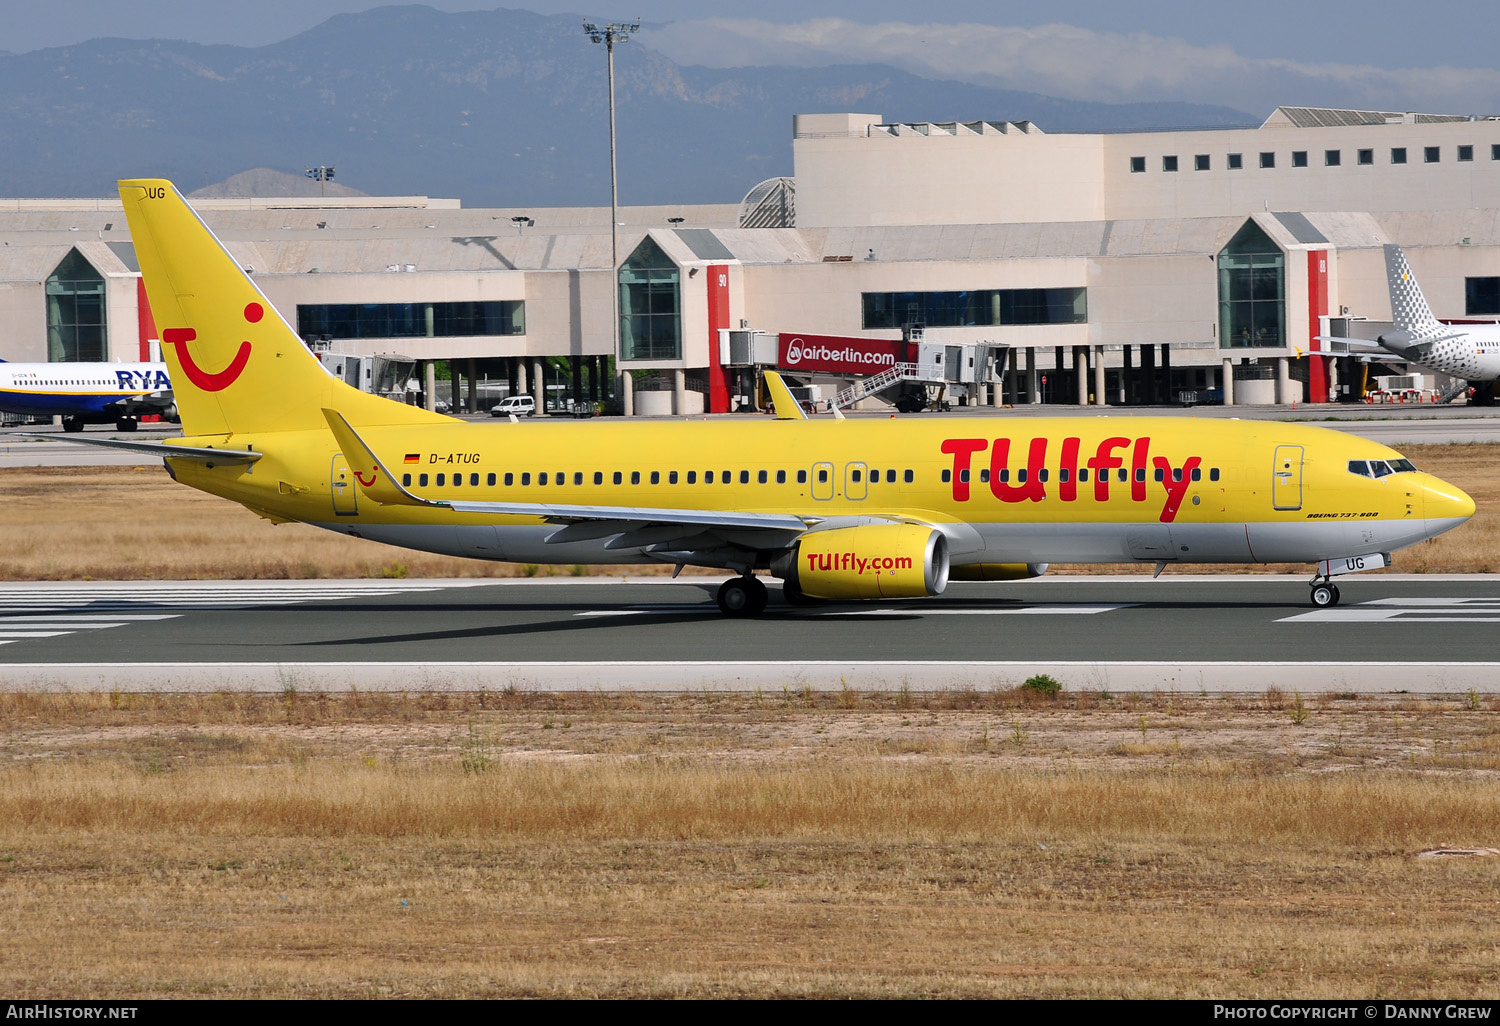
(203, 454)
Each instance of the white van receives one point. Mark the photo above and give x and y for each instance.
(517, 404)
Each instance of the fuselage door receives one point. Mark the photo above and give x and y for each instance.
(341, 481)
(855, 477)
(1286, 478)
(822, 481)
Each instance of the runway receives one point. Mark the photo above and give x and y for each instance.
(1428, 634)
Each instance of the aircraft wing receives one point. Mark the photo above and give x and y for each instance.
(185, 452)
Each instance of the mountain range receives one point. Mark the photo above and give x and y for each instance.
(496, 108)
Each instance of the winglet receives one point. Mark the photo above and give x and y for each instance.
(375, 480)
(787, 407)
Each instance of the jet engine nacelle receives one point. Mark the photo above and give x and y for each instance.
(1396, 341)
(870, 561)
(997, 571)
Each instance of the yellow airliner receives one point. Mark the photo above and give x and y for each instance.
(837, 509)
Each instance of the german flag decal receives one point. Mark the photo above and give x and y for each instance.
(412, 457)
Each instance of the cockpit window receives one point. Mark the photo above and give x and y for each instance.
(1381, 468)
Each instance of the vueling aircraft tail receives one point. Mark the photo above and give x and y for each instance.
(1409, 309)
(236, 365)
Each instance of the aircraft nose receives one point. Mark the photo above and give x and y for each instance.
(1443, 501)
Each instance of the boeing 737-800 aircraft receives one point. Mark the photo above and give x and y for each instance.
(87, 393)
(837, 509)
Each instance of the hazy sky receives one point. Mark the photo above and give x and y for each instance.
(1439, 57)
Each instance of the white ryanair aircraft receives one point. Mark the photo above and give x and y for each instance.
(87, 393)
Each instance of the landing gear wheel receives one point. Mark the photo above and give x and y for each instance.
(743, 596)
(1325, 595)
(127, 424)
(72, 424)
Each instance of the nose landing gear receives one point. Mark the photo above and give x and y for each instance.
(1325, 594)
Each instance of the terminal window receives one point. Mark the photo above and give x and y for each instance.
(976, 308)
(1398, 155)
(1252, 291)
(1332, 158)
(1236, 161)
(1466, 153)
(1495, 151)
(1367, 156)
(1137, 165)
(76, 312)
(1200, 162)
(1299, 158)
(650, 305)
(1268, 160)
(411, 320)
(1430, 154)
(1169, 163)
(1481, 296)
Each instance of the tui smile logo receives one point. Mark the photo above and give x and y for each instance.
(211, 381)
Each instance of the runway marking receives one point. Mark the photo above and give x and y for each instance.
(1407, 610)
(118, 600)
(33, 613)
(1055, 609)
(1045, 609)
(35, 626)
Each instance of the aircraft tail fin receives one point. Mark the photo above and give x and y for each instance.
(787, 407)
(236, 365)
(1409, 309)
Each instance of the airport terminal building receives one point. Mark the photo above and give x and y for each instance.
(1105, 269)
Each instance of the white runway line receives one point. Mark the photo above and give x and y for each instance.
(1432, 609)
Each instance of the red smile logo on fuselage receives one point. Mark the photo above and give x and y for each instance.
(361, 478)
(211, 381)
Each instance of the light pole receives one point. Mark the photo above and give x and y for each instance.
(609, 35)
(321, 175)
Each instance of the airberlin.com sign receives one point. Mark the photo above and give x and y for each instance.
(838, 354)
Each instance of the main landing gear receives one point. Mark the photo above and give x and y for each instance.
(742, 596)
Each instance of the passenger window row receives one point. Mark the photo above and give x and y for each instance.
(560, 478)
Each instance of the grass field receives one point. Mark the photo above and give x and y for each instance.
(109, 523)
(797, 844)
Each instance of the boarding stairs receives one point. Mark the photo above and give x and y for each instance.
(875, 384)
(1458, 388)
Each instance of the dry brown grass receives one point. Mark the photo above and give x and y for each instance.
(812, 844)
(112, 523)
(135, 523)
